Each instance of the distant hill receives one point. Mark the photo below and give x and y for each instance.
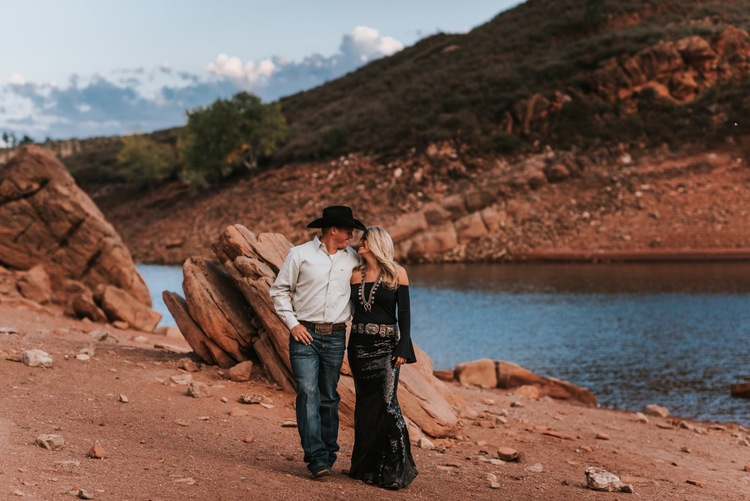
(568, 73)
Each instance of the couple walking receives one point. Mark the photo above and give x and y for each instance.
(320, 285)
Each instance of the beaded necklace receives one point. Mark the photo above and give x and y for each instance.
(367, 304)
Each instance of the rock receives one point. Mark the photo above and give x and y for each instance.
(182, 379)
(602, 436)
(83, 357)
(103, 335)
(50, 441)
(511, 376)
(478, 373)
(187, 365)
(425, 443)
(83, 306)
(96, 452)
(656, 410)
(36, 358)
(237, 412)
(641, 417)
(118, 304)
(249, 439)
(35, 284)
(123, 398)
(196, 389)
(289, 424)
(48, 220)
(599, 479)
(741, 390)
(507, 454)
(250, 399)
(445, 375)
(240, 372)
(535, 468)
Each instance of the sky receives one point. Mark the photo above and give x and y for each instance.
(83, 68)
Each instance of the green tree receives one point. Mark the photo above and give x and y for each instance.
(144, 160)
(231, 135)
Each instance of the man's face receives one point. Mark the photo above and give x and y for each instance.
(341, 236)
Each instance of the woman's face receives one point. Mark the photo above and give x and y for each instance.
(363, 247)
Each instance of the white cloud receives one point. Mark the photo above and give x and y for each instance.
(244, 75)
(16, 79)
(366, 44)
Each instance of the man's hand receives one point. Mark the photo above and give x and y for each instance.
(301, 335)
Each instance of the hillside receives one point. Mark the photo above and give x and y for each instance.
(576, 129)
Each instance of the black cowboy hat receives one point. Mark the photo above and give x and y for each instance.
(337, 215)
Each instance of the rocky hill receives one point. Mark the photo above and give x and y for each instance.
(571, 129)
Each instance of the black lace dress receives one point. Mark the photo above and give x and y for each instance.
(382, 451)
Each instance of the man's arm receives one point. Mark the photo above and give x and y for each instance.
(281, 290)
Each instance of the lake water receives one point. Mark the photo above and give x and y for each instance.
(674, 334)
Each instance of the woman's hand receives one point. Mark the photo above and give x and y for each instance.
(399, 362)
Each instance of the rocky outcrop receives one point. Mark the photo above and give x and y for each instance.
(488, 373)
(62, 249)
(228, 317)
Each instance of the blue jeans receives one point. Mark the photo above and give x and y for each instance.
(316, 369)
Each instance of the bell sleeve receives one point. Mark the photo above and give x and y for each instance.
(405, 348)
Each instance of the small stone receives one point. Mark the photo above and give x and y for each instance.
(517, 403)
(187, 365)
(656, 410)
(204, 418)
(50, 441)
(103, 335)
(224, 400)
(695, 482)
(289, 424)
(240, 373)
(36, 358)
(602, 436)
(488, 401)
(124, 399)
(82, 494)
(97, 452)
(501, 420)
(687, 426)
(249, 439)
(120, 324)
(535, 468)
(507, 454)
(266, 405)
(250, 399)
(494, 485)
(196, 389)
(184, 379)
(83, 357)
(237, 412)
(641, 417)
(685, 449)
(425, 443)
(599, 479)
(181, 422)
(481, 443)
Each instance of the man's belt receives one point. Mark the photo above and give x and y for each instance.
(323, 328)
(374, 329)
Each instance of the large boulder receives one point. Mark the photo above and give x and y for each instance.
(228, 311)
(46, 219)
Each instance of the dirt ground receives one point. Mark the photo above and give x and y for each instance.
(161, 444)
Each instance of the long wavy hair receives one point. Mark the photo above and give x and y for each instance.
(381, 246)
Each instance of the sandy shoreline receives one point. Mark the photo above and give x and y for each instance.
(162, 444)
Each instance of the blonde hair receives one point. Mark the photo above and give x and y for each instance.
(381, 246)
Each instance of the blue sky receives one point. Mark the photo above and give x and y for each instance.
(82, 68)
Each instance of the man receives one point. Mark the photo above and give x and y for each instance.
(311, 294)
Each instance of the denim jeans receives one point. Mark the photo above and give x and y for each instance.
(316, 369)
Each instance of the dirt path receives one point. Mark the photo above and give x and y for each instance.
(163, 445)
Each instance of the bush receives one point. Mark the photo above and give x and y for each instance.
(143, 160)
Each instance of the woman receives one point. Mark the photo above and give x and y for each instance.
(379, 344)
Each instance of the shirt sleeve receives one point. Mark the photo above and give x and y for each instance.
(282, 289)
(405, 348)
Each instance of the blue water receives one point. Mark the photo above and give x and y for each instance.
(634, 334)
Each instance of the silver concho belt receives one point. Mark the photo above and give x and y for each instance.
(374, 329)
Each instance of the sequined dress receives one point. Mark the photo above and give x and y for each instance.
(382, 451)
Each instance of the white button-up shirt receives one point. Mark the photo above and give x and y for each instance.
(313, 285)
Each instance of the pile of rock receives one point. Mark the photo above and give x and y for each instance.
(488, 373)
(56, 246)
(227, 317)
